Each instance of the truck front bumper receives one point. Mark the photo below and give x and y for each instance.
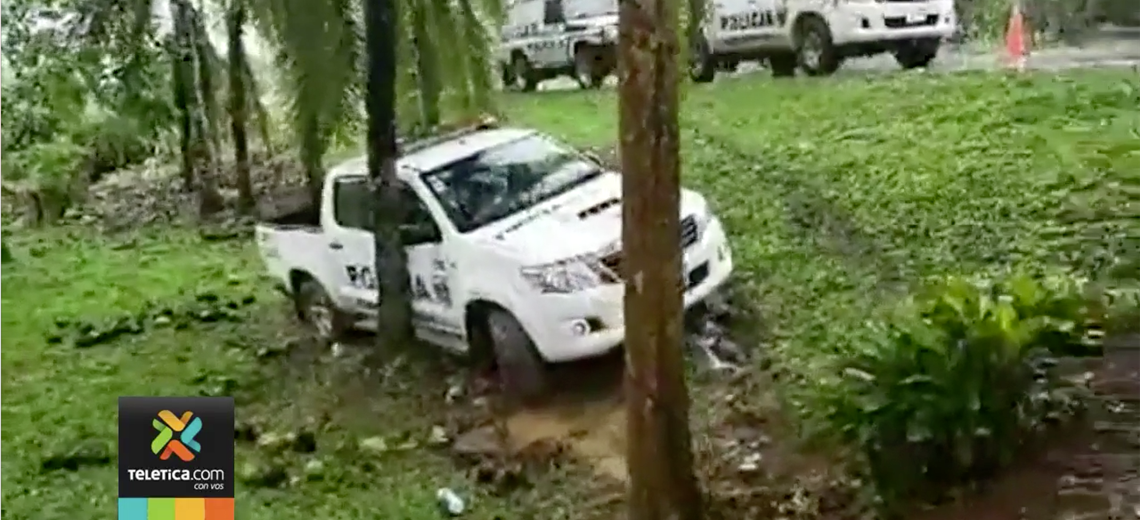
(894, 21)
(566, 327)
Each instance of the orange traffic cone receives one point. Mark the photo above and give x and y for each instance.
(1016, 49)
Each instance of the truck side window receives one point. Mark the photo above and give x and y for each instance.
(352, 203)
(552, 12)
(416, 212)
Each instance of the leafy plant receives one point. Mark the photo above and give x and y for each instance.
(956, 382)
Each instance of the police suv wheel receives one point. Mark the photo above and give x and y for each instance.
(586, 68)
(917, 54)
(815, 49)
(524, 75)
(702, 66)
(522, 371)
(318, 312)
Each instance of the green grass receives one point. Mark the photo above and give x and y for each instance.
(839, 195)
(60, 400)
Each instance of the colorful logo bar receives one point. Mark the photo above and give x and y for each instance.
(176, 509)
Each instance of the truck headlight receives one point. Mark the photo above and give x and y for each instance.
(564, 276)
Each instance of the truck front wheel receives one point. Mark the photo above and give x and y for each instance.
(591, 66)
(318, 312)
(522, 371)
(815, 48)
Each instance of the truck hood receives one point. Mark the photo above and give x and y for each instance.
(584, 221)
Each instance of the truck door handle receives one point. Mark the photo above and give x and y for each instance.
(336, 245)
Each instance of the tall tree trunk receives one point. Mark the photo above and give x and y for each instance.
(206, 60)
(238, 105)
(180, 79)
(380, 29)
(199, 93)
(662, 483)
(427, 65)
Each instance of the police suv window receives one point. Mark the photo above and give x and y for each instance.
(352, 203)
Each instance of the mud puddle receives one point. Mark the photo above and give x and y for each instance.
(586, 413)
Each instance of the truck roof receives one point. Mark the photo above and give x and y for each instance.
(434, 156)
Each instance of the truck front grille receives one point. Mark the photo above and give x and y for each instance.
(899, 22)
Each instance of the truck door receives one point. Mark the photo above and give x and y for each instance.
(432, 272)
(351, 245)
(729, 21)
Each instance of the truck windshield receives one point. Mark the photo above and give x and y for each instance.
(506, 179)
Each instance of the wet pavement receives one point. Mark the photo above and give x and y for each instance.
(1111, 47)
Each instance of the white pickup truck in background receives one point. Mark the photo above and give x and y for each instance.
(513, 243)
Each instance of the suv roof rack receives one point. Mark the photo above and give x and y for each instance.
(485, 123)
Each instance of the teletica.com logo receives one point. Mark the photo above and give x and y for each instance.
(187, 426)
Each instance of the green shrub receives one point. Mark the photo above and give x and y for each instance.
(956, 381)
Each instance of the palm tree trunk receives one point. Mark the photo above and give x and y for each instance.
(391, 260)
(427, 66)
(238, 105)
(662, 484)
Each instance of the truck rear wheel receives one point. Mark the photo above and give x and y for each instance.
(702, 64)
(815, 49)
(318, 312)
(522, 371)
(526, 79)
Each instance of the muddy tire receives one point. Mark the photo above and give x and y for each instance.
(702, 64)
(319, 314)
(815, 50)
(522, 371)
(588, 69)
(917, 54)
(783, 65)
(525, 77)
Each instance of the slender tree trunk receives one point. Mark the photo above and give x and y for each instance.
(427, 66)
(312, 152)
(481, 82)
(662, 483)
(380, 30)
(238, 105)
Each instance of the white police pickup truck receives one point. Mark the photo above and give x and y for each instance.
(513, 243)
(816, 36)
